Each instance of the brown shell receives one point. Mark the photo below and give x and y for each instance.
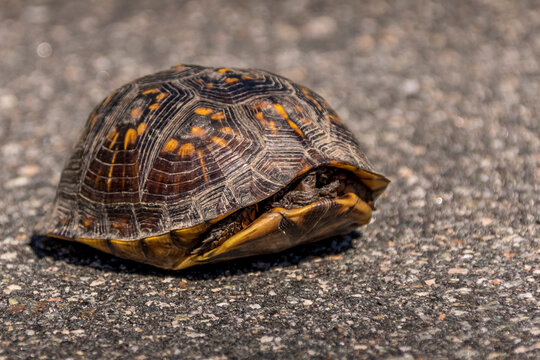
(191, 144)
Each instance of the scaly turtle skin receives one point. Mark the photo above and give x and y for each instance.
(197, 165)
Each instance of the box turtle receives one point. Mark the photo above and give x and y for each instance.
(196, 165)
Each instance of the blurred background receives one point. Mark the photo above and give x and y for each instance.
(442, 95)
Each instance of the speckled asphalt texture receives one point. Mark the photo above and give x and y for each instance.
(444, 98)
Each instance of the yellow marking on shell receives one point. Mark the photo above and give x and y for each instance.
(219, 141)
(209, 86)
(272, 126)
(218, 116)
(112, 162)
(114, 135)
(231, 80)
(224, 70)
(130, 138)
(186, 150)
(170, 146)
(135, 113)
(201, 160)
(267, 122)
(203, 111)
(227, 130)
(161, 96)
(247, 77)
(197, 131)
(281, 111)
(154, 106)
(140, 128)
(150, 91)
(111, 168)
(295, 128)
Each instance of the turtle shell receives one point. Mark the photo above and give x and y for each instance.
(192, 144)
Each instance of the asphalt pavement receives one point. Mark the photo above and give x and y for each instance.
(442, 95)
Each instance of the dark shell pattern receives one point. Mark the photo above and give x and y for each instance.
(187, 145)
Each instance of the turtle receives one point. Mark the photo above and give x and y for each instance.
(197, 165)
